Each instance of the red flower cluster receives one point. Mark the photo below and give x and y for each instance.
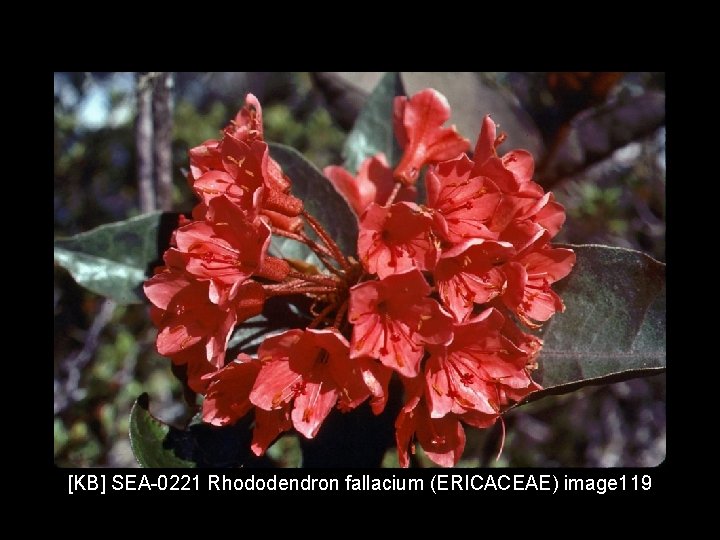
(434, 298)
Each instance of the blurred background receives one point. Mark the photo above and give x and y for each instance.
(599, 143)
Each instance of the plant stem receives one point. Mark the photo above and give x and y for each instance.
(328, 264)
(321, 279)
(303, 239)
(322, 252)
(327, 239)
(321, 316)
(285, 285)
(340, 314)
(271, 290)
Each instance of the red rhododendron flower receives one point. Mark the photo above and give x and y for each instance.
(250, 174)
(226, 249)
(508, 172)
(396, 239)
(189, 317)
(239, 167)
(203, 158)
(393, 319)
(522, 198)
(525, 236)
(192, 329)
(529, 278)
(433, 295)
(418, 127)
(374, 183)
(312, 370)
(528, 343)
(529, 203)
(246, 127)
(467, 274)
(268, 425)
(550, 216)
(463, 205)
(239, 178)
(377, 378)
(478, 371)
(248, 123)
(443, 439)
(195, 363)
(227, 398)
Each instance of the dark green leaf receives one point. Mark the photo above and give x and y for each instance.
(148, 437)
(114, 259)
(155, 444)
(373, 129)
(319, 197)
(613, 327)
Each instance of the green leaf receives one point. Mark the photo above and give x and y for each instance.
(114, 259)
(155, 444)
(373, 129)
(148, 437)
(613, 327)
(319, 197)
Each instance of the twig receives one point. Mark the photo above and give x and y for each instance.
(67, 384)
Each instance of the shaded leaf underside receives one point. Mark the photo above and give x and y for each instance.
(613, 327)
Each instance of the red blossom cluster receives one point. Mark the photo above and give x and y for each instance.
(436, 296)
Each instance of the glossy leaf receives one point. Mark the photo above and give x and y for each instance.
(148, 437)
(113, 260)
(373, 129)
(613, 327)
(319, 197)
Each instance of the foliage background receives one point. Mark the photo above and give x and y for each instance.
(104, 355)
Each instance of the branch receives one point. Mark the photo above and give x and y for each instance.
(163, 123)
(596, 133)
(67, 384)
(144, 142)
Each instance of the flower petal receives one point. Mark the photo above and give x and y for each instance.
(312, 407)
(268, 425)
(418, 123)
(227, 397)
